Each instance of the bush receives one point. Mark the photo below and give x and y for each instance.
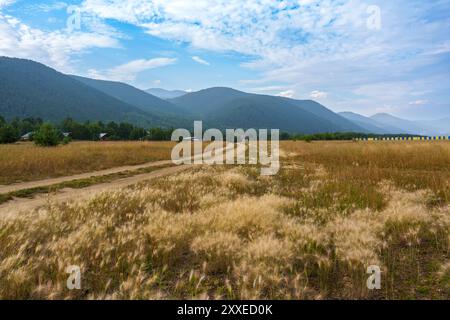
(66, 140)
(8, 134)
(47, 136)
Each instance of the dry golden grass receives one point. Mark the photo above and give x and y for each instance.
(27, 162)
(356, 169)
(228, 233)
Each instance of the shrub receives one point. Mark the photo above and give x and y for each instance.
(66, 140)
(8, 134)
(47, 136)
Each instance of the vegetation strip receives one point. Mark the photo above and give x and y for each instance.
(77, 184)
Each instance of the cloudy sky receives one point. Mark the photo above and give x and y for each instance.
(366, 57)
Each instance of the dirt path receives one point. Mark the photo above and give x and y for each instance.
(52, 181)
(26, 204)
(22, 205)
(4, 189)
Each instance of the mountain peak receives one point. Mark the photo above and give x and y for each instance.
(132, 96)
(165, 94)
(382, 114)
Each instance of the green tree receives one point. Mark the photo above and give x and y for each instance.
(159, 134)
(8, 134)
(137, 134)
(47, 136)
(125, 130)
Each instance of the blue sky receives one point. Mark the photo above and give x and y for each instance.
(350, 55)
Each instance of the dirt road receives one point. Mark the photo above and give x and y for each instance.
(26, 204)
(49, 182)
(22, 205)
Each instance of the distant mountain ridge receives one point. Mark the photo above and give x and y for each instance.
(325, 113)
(146, 102)
(440, 126)
(165, 94)
(131, 95)
(226, 107)
(369, 124)
(383, 123)
(31, 89)
(395, 122)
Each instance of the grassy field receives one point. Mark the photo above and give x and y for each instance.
(27, 162)
(226, 232)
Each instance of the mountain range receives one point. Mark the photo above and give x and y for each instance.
(165, 94)
(383, 123)
(31, 89)
(229, 108)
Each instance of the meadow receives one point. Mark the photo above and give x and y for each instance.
(226, 232)
(27, 162)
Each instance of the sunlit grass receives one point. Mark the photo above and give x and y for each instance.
(27, 162)
(226, 232)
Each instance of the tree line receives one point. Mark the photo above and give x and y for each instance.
(44, 133)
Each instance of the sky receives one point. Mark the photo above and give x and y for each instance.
(350, 55)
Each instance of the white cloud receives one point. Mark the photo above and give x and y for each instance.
(200, 60)
(318, 94)
(300, 45)
(287, 94)
(418, 102)
(55, 48)
(130, 70)
(4, 3)
(48, 7)
(304, 44)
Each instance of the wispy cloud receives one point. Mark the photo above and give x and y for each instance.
(316, 94)
(308, 43)
(4, 3)
(48, 7)
(200, 60)
(54, 48)
(418, 102)
(130, 70)
(297, 45)
(287, 94)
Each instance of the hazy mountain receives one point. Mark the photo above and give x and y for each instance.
(132, 96)
(165, 94)
(370, 125)
(206, 102)
(439, 127)
(261, 112)
(225, 107)
(384, 123)
(407, 126)
(325, 113)
(30, 89)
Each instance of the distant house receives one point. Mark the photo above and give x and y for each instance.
(102, 136)
(66, 134)
(27, 136)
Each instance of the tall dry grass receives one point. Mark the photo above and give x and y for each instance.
(228, 233)
(26, 162)
(354, 170)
